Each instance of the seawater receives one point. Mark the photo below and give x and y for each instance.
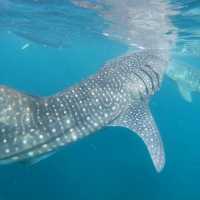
(111, 164)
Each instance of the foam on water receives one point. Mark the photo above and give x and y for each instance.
(132, 20)
(129, 21)
(156, 24)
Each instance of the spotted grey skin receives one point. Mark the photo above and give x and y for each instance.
(31, 127)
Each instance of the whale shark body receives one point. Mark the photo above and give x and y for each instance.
(31, 127)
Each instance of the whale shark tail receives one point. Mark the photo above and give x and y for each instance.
(139, 119)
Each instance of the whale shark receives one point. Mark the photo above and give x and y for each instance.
(187, 79)
(33, 127)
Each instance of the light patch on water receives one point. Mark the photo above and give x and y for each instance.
(141, 24)
(25, 46)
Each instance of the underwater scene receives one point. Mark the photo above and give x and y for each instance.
(99, 99)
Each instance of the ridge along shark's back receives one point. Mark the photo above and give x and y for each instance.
(117, 95)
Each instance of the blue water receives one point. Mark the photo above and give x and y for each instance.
(112, 164)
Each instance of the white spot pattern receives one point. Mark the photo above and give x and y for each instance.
(32, 126)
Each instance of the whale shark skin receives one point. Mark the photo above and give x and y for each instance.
(32, 128)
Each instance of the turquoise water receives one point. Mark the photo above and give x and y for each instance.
(112, 164)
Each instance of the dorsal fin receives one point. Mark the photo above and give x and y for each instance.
(185, 91)
(138, 118)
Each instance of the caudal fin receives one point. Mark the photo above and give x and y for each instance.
(138, 118)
